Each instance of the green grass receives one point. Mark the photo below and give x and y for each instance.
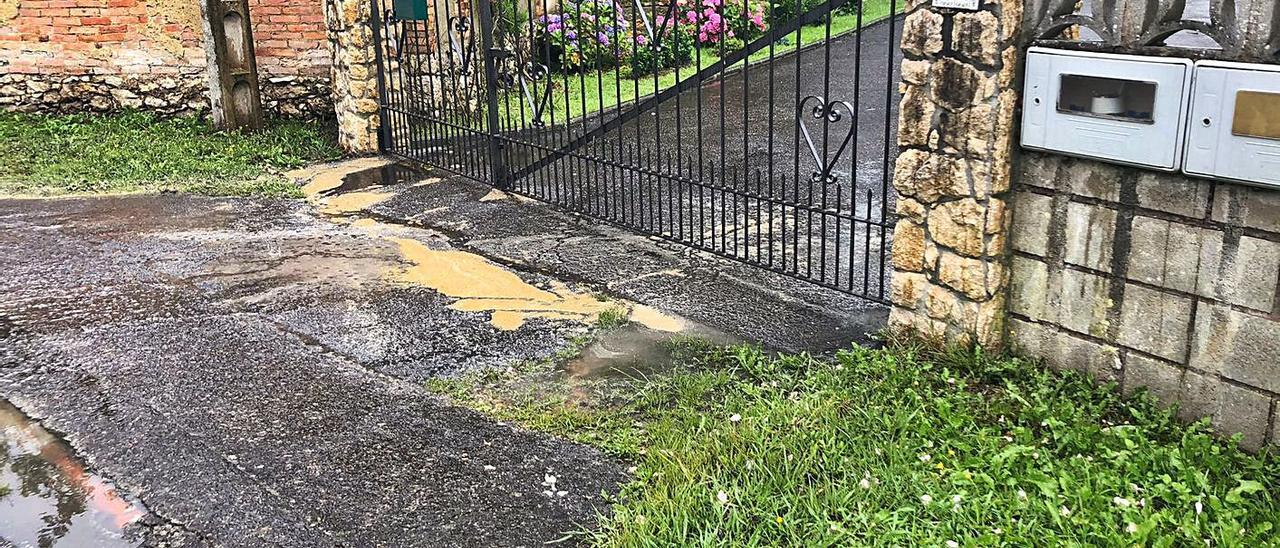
(576, 95)
(133, 152)
(898, 447)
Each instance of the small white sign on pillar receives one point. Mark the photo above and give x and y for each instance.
(956, 4)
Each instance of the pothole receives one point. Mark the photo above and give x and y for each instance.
(48, 497)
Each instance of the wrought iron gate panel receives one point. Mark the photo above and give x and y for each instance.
(783, 162)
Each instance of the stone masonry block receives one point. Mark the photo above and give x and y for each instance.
(1173, 194)
(1029, 293)
(970, 132)
(915, 117)
(1243, 411)
(1247, 206)
(1161, 379)
(1038, 169)
(1164, 253)
(1243, 273)
(1093, 179)
(968, 276)
(1155, 322)
(1063, 351)
(906, 288)
(928, 176)
(976, 36)
(959, 225)
(1199, 397)
(957, 86)
(915, 72)
(922, 33)
(908, 246)
(1031, 216)
(1242, 347)
(1080, 301)
(1090, 236)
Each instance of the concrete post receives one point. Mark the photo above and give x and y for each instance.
(956, 131)
(232, 66)
(355, 74)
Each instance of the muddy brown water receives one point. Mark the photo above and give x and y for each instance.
(48, 497)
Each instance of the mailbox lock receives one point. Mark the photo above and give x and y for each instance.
(1206, 122)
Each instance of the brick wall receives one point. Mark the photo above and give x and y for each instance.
(102, 55)
(1152, 280)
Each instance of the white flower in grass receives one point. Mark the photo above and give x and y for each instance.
(926, 499)
(955, 499)
(549, 481)
(722, 497)
(925, 457)
(1199, 507)
(735, 417)
(1131, 528)
(1022, 495)
(865, 483)
(953, 544)
(1064, 512)
(1121, 502)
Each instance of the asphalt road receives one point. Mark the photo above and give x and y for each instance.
(252, 374)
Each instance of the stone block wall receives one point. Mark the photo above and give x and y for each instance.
(1152, 280)
(107, 55)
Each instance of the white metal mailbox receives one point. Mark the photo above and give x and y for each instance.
(1120, 108)
(1234, 128)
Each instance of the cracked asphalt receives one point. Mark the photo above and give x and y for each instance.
(252, 370)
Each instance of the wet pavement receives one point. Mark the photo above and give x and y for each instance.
(250, 371)
(48, 497)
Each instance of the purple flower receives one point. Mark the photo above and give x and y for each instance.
(602, 38)
(571, 35)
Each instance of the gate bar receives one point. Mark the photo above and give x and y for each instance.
(771, 36)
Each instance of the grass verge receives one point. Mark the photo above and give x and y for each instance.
(133, 152)
(898, 447)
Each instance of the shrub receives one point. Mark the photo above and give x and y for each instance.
(672, 48)
(584, 35)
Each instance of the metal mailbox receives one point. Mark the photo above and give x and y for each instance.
(1234, 127)
(1119, 108)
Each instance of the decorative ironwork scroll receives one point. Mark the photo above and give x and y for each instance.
(829, 114)
(1242, 29)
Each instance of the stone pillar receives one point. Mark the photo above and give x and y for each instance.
(956, 133)
(355, 74)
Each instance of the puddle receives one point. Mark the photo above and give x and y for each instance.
(385, 175)
(48, 498)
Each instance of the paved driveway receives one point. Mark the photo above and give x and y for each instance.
(251, 371)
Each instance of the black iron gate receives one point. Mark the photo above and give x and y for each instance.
(756, 130)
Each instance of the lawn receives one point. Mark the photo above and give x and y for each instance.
(576, 95)
(899, 446)
(136, 152)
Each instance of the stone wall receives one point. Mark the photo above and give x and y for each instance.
(1152, 280)
(108, 55)
(953, 172)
